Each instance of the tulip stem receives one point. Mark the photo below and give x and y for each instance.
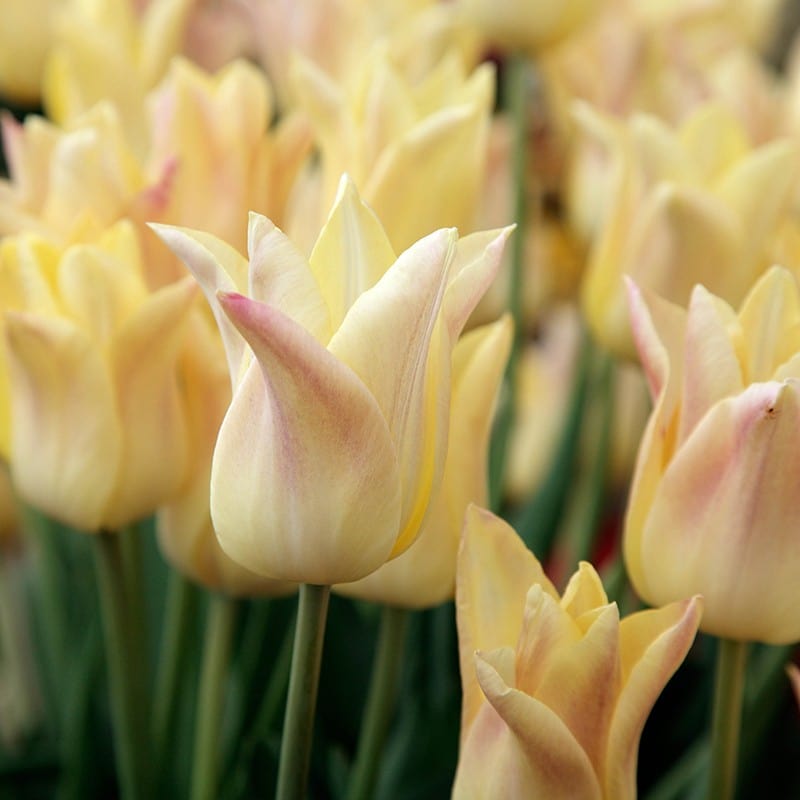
(727, 718)
(180, 605)
(298, 723)
(515, 95)
(126, 712)
(380, 705)
(211, 695)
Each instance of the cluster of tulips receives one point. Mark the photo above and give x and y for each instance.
(335, 336)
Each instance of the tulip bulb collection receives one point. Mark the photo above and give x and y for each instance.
(399, 399)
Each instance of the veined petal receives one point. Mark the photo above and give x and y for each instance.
(304, 462)
(217, 267)
(351, 254)
(155, 444)
(389, 338)
(64, 461)
(653, 645)
(495, 571)
(281, 276)
(729, 502)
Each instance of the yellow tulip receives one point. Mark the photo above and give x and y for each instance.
(380, 129)
(714, 506)
(335, 439)
(183, 524)
(98, 437)
(556, 689)
(695, 205)
(424, 575)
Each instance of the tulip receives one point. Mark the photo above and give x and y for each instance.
(98, 438)
(556, 689)
(424, 575)
(381, 129)
(335, 438)
(682, 203)
(713, 507)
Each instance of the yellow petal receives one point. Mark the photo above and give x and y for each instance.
(154, 455)
(389, 339)
(304, 482)
(495, 571)
(545, 759)
(584, 591)
(65, 461)
(711, 369)
(351, 254)
(653, 645)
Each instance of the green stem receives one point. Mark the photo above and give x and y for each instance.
(298, 722)
(380, 704)
(593, 494)
(181, 604)
(216, 656)
(515, 92)
(132, 563)
(727, 718)
(129, 742)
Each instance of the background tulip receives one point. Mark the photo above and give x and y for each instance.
(713, 508)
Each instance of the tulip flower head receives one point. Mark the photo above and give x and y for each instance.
(556, 689)
(335, 439)
(714, 507)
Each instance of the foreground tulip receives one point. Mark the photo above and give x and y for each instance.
(714, 506)
(98, 436)
(335, 439)
(424, 575)
(556, 689)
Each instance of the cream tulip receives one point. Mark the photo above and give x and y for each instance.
(335, 439)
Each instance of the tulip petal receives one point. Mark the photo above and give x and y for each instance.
(155, 448)
(653, 645)
(424, 575)
(547, 761)
(584, 591)
(769, 318)
(351, 254)
(281, 276)
(553, 646)
(711, 366)
(217, 267)
(64, 461)
(475, 265)
(304, 483)
(495, 571)
(728, 502)
(389, 338)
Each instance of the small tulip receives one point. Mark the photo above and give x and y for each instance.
(335, 439)
(556, 689)
(714, 507)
